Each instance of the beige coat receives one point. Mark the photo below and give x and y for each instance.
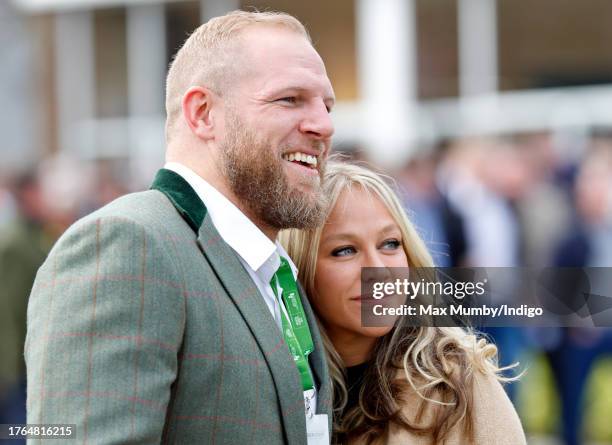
(495, 419)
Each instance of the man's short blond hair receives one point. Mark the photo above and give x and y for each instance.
(208, 56)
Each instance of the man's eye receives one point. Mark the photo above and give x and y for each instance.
(391, 244)
(343, 251)
(288, 99)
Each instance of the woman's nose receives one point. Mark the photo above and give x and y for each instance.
(373, 259)
(381, 270)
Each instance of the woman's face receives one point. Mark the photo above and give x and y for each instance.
(360, 232)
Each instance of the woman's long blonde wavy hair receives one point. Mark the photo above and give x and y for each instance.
(437, 362)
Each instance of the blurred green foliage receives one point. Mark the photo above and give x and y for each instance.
(540, 408)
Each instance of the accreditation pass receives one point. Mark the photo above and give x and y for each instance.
(317, 426)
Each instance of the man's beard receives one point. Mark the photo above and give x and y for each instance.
(256, 176)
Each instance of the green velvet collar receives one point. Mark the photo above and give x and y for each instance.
(184, 198)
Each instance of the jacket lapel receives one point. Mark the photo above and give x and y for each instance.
(245, 295)
(250, 303)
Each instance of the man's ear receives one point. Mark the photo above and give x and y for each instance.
(197, 111)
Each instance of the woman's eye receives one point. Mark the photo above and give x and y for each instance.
(343, 251)
(391, 244)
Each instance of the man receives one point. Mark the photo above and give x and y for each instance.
(156, 319)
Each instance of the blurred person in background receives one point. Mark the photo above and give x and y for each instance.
(588, 243)
(68, 185)
(440, 226)
(482, 179)
(544, 208)
(108, 180)
(24, 244)
(47, 201)
(7, 204)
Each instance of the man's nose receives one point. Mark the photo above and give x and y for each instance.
(317, 122)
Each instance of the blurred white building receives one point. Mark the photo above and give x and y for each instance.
(406, 72)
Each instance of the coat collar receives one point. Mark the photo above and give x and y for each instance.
(182, 196)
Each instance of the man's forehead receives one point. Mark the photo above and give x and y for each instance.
(274, 43)
(278, 61)
(267, 31)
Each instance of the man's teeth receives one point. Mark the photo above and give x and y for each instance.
(301, 157)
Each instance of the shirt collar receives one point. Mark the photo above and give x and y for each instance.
(272, 263)
(234, 227)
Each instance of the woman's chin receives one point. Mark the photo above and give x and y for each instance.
(375, 331)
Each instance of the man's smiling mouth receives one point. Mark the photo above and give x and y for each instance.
(303, 159)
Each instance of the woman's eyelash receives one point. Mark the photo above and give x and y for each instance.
(394, 242)
(344, 250)
(341, 251)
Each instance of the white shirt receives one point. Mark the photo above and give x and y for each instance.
(259, 256)
(257, 253)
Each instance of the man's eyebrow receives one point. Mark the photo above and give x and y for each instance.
(300, 89)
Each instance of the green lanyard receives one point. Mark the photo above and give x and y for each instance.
(295, 328)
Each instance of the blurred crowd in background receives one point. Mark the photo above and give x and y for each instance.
(506, 201)
(502, 197)
(514, 202)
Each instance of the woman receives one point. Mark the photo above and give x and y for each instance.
(400, 384)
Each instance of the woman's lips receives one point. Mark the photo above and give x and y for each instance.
(366, 298)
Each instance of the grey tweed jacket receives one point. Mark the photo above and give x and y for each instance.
(144, 327)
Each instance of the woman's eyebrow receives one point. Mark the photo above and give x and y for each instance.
(338, 237)
(390, 228)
